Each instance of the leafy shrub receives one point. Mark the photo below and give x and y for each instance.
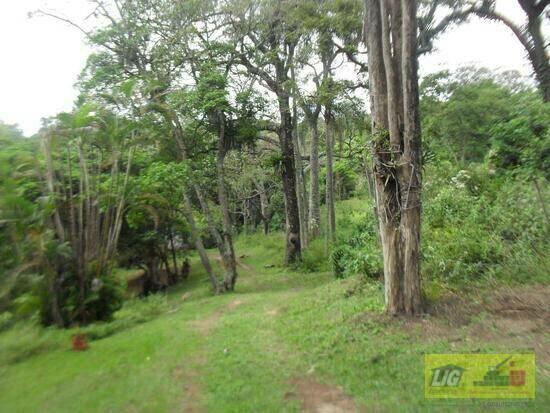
(134, 312)
(27, 305)
(100, 303)
(475, 221)
(28, 340)
(314, 257)
(6, 319)
(348, 261)
(357, 249)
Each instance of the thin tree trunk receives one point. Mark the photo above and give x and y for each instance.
(173, 253)
(195, 235)
(230, 277)
(542, 203)
(300, 184)
(264, 204)
(300, 195)
(72, 219)
(293, 241)
(539, 56)
(50, 184)
(331, 213)
(54, 297)
(314, 193)
(218, 239)
(411, 163)
(177, 130)
(121, 205)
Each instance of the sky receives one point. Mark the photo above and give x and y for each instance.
(42, 57)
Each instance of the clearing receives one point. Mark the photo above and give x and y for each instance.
(286, 341)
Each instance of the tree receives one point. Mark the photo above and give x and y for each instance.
(521, 145)
(530, 36)
(266, 35)
(391, 35)
(149, 50)
(459, 109)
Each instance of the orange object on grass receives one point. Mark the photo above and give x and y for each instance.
(80, 342)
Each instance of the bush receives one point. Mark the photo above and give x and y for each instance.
(6, 320)
(134, 312)
(475, 222)
(105, 296)
(347, 261)
(314, 257)
(28, 340)
(357, 250)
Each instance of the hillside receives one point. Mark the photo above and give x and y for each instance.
(284, 341)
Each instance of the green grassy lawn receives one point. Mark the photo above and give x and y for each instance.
(248, 351)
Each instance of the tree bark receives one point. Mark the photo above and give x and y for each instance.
(173, 253)
(411, 163)
(331, 213)
(264, 204)
(391, 29)
(531, 38)
(300, 184)
(293, 242)
(195, 235)
(542, 203)
(172, 120)
(230, 277)
(538, 54)
(314, 193)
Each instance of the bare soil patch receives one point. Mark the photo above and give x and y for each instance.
(205, 325)
(511, 317)
(317, 397)
(188, 374)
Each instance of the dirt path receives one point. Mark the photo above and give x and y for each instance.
(205, 325)
(189, 373)
(316, 397)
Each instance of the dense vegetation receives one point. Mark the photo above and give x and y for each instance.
(215, 139)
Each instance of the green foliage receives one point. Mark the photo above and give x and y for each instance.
(474, 222)
(522, 144)
(133, 313)
(314, 257)
(6, 320)
(460, 109)
(356, 250)
(27, 340)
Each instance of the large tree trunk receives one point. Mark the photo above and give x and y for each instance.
(391, 40)
(331, 214)
(411, 162)
(293, 241)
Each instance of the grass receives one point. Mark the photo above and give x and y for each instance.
(191, 351)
